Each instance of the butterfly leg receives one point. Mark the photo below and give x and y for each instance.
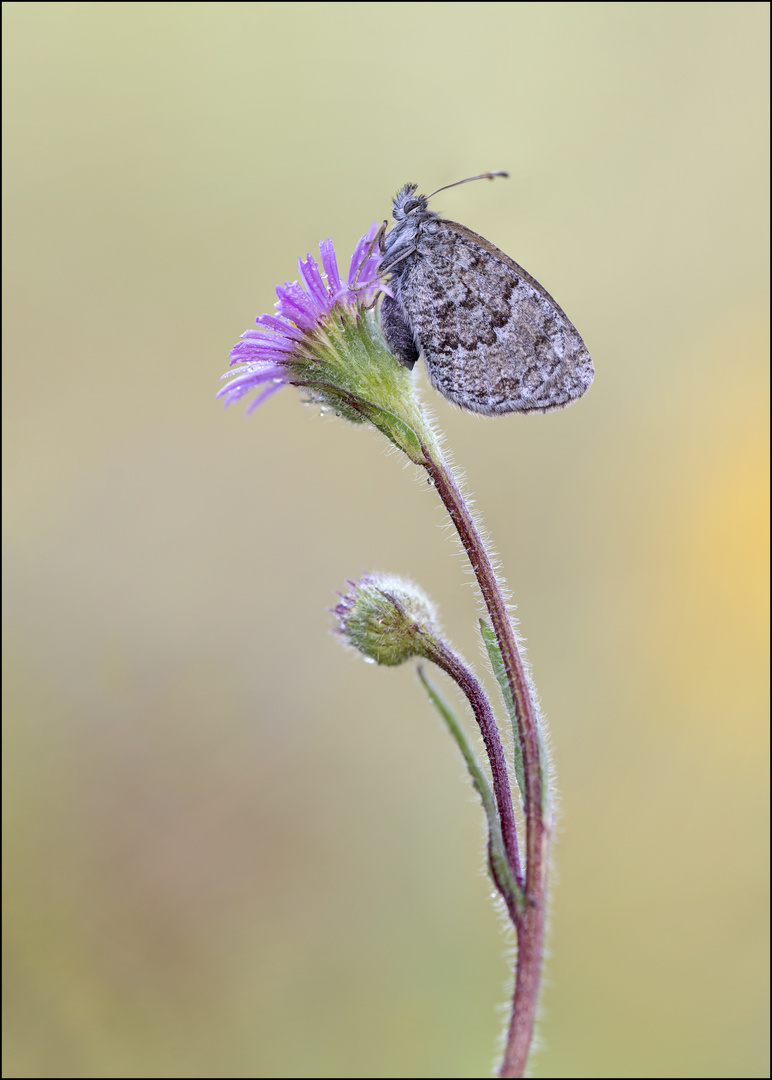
(380, 235)
(377, 241)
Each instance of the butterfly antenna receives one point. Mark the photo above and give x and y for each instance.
(480, 176)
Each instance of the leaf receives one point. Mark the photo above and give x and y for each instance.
(497, 666)
(500, 868)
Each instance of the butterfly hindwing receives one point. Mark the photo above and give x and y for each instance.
(493, 339)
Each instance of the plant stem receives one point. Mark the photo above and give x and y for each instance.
(530, 926)
(442, 656)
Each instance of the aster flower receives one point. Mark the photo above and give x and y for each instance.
(326, 339)
(266, 355)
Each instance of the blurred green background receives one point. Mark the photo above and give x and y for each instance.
(231, 848)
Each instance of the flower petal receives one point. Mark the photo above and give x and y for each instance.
(277, 324)
(248, 353)
(330, 264)
(250, 379)
(266, 393)
(295, 303)
(309, 271)
(365, 260)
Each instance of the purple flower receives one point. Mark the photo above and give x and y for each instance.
(271, 356)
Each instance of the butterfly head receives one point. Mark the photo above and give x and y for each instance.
(408, 204)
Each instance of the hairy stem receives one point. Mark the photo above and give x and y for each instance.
(529, 927)
(498, 863)
(463, 677)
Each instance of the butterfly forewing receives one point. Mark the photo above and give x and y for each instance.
(493, 339)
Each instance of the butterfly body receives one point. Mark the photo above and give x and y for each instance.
(493, 339)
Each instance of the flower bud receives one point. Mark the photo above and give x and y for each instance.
(388, 619)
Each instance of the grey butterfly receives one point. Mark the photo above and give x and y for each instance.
(493, 339)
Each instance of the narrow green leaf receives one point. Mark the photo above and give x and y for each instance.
(497, 666)
(482, 787)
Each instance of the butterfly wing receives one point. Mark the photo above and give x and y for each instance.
(493, 339)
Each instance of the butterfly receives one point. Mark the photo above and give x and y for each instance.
(493, 339)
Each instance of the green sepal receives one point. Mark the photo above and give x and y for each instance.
(349, 368)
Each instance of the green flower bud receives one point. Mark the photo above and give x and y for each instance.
(388, 619)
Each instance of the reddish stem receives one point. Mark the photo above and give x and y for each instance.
(530, 928)
(463, 677)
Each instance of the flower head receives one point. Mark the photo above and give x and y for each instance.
(326, 339)
(273, 355)
(388, 619)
